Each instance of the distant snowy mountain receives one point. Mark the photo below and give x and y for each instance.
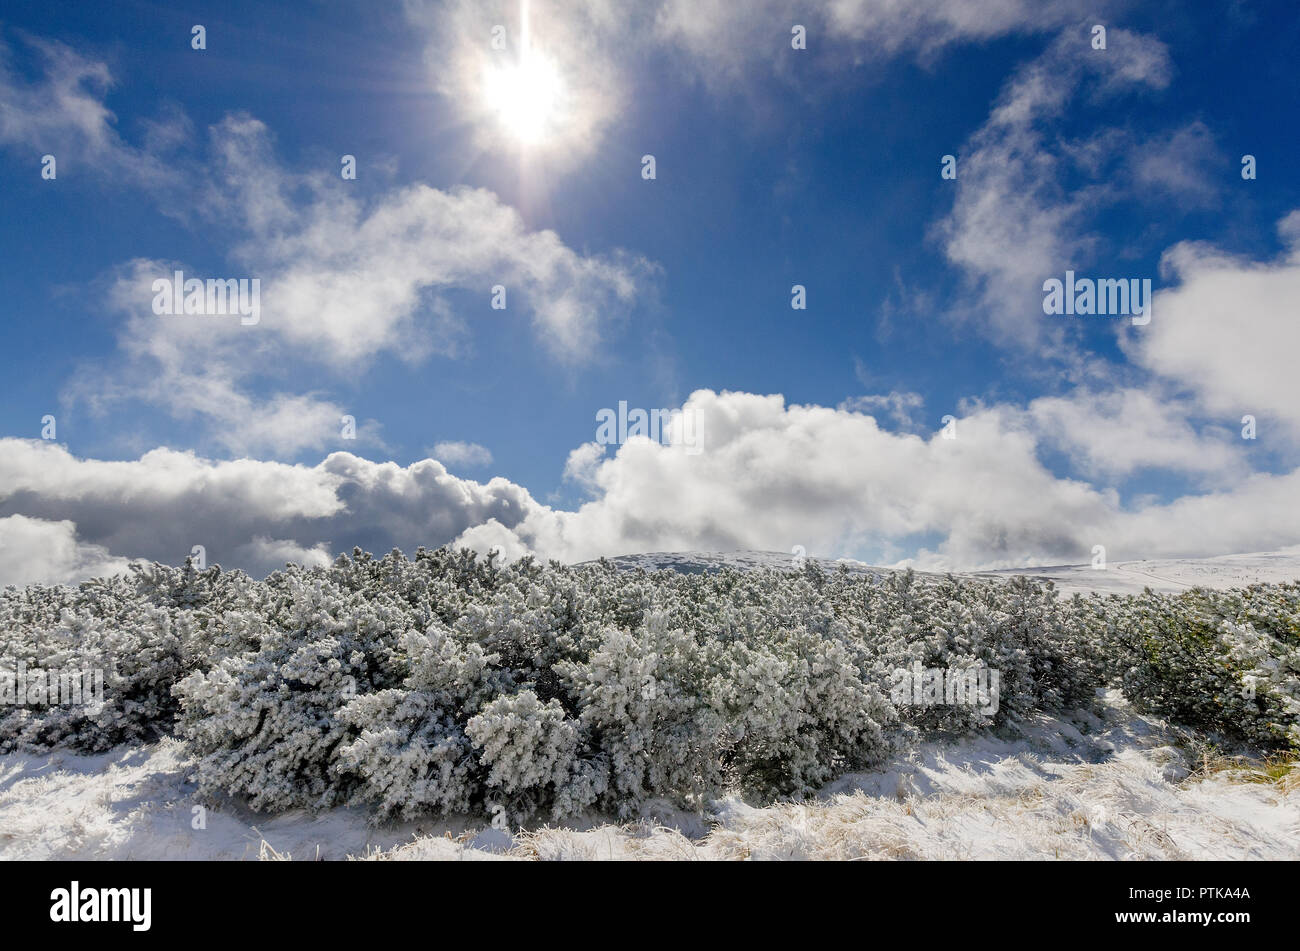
(1121, 577)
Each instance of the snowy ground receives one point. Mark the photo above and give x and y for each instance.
(1078, 788)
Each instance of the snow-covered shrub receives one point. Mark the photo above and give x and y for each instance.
(797, 711)
(642, 702)
(1227, 661)
(265, 722)
(446, 683)
(125, 652)
(528, 749)
(406, 749)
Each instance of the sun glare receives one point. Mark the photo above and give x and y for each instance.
(523, 96)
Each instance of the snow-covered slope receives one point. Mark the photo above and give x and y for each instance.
(1127, 577)
(1170, 574)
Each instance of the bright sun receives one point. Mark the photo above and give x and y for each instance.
(523, 96)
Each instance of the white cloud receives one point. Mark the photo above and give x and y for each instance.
(492, 537)
(262, 554)
(202, 368)
(63, 113)
(771, 476)
(1118, 432)
(1014, 223)
(774, 476)
(246, 513)
(36, 551)
(902, 407)
(1227, 331)
(462, 453)
(342, 282)
(582, 463)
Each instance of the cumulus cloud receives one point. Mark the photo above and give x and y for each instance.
(346, 280)
(263, 555)
(1115, 433)
(581, 465)
(493, 538)
(210, 370)
(246, 513)
(37, 551)
(1226, 330)
(771, 476)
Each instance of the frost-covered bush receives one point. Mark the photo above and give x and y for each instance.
(529, 749)
(642, 703)
(1226, 661)
(445, 683)
(407, 748)
(264, 722)
(103, 636)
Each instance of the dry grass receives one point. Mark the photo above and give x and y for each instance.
(1279, 770)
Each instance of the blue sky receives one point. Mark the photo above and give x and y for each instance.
(774, 167)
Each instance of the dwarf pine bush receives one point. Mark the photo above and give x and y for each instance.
(446, 683)
(106, 631)
(1227, 661)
